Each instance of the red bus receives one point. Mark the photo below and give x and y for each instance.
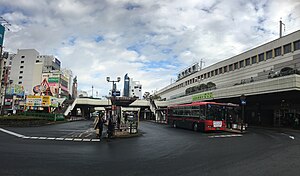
(203, 116)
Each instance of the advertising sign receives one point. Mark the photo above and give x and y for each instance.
(202, 96)
(53, 79)
(15, 89)
(32, 100)
(2, 29)
(46, 100)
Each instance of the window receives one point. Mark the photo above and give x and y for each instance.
(208, 74)
(247, 61)
(37, 61)
(269, 54)
(22, 62)
(216, 72)
(225, 69)
(230, 67)
(20, 82)
(297, 45)
(277, 51)
(287, 48)
(220, 70)
(21, 72)
(241, 63)
(22, 56)
(254, 59)
(236, 65)
(204, 76)
(261, 57)
(212, 73)
(20, 77)
(22, 66)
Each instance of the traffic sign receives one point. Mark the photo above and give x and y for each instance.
(116, 93)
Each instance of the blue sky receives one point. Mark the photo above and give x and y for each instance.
(151, 40)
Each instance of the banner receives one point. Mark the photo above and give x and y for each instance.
(2, 30)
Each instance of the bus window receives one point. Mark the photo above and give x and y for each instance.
(215, 112)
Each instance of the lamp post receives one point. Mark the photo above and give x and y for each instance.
(92, 91)
(113, 95)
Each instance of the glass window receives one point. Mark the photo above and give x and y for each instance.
(225, 69)
(241, 63)
(220, 71)
(254, 59)
(236, 65)
(230, 67)
(269, 54)
(21, 72)
(22, 66)
(212, 73)
(204, 76)
(22, 56)
(216, 72)
(261, 57)
(287, 48)
(20, 82)
(22, 62)
(20, 77)
(297, 45)
(247, 61)
(208, 74)
(277, 51)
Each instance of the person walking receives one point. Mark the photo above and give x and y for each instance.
(110, 128)
(99, 125)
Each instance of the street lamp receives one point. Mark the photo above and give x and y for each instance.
(92, 91)
(114, 86)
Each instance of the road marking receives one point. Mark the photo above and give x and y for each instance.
(292, 137)
(226, 136)
(68, 139)
(43, 138)
(48, 138)
(77, 139)
(11, 133)
(34, 137)
(95, 140)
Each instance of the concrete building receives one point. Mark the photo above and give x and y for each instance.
(268, 75)
(27, 69)
(126, 86)
(135, 89)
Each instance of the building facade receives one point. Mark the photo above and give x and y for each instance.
(268, 75)
(126, 86)
(135, 89)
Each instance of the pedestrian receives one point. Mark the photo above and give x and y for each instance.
(99, 125)
(110, 128)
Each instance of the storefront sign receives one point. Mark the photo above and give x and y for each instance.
(202, 96)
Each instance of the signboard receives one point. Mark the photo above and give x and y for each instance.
(32, 100)
(202, 96)
(15, 89)
(54, 102)
(2, 30)
(46, 101)
(53, 79)
(116, 93)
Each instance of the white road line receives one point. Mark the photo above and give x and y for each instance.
(68, 139)
(51, 138)
(25, 137)
(95, 140)
(292, 137)
(33, 137)
(11, 133)
(59, 139)
(43, 138)
(77, 139)
(86, 140)
(224, 136)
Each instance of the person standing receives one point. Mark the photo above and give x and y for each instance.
(99, 125)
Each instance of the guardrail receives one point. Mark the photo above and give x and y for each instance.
(50, 117)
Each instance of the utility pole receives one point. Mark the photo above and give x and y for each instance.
(280, 28)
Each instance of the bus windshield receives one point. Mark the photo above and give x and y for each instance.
(215, 112)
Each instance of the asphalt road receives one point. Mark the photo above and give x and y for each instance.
(161, 150)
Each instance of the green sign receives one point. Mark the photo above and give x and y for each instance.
(53, 80)
(2, 29)
(202, 96)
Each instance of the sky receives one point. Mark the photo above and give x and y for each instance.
(151, 40)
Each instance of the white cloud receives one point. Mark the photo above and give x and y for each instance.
(150, 40)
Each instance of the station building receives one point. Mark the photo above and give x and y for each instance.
(268, 75)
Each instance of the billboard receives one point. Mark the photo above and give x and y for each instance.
(2, 29)
(46, 101)
(15, 89)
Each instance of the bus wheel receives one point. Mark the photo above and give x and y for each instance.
(174, 124)
(195, 126)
